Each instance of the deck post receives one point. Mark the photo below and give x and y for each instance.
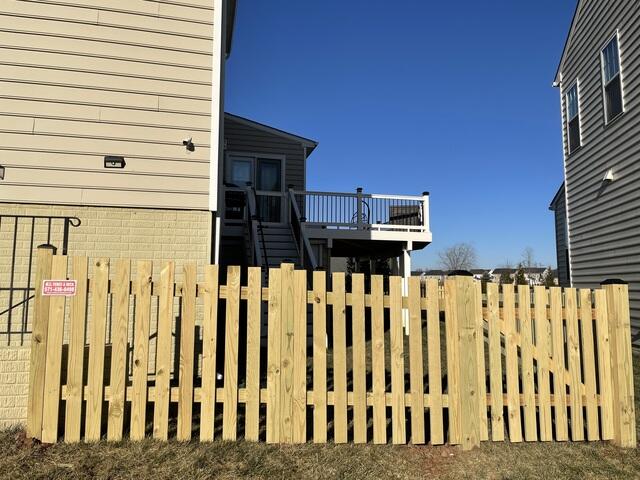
(425, 210)
(405, 272)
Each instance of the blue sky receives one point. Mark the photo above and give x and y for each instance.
(450, 97)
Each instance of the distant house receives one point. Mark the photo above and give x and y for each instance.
(597, 80)
(533, 275)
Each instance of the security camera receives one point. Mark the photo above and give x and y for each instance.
(188, 143)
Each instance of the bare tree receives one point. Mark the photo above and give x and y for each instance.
(528, 258)
(461, 256)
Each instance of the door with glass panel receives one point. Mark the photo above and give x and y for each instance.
(265, 174)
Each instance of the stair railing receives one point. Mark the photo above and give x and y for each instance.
(296, 220)
(256, 232)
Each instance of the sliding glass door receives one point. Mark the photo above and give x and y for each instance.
(266, 175)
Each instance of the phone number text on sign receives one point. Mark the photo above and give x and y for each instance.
(64, 288)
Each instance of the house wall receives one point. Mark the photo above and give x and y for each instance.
(139, 234)
(243, 138)
(89, 78)
(604, 224)
(560, 218)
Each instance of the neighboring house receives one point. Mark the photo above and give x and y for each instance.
(597, 80)
(533, 275)
(558, 207)
(268, 216)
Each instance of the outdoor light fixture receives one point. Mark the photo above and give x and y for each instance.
(114, 162)
(608, 177)
(1, 172)
(188, 143)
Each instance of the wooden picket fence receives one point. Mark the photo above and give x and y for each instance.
(336, 364)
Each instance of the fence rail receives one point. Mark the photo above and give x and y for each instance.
(335, 361)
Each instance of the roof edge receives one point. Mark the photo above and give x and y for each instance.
(557, 79)
(556, 197)
(305, 142)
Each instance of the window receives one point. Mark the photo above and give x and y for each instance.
(611, 79)
(573, 118)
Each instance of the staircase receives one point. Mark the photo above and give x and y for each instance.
(280, 246)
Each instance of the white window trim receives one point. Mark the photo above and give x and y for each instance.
(575, 84)
(615, 35)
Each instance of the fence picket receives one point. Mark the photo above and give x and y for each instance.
(543, 347)
(359, 360)
(604, 365)
(38, 354)
(299, 392)
(377, 360)
(252, 409)
(319, 357)
(232, 326)
(163, 353)
(75, 364)
(95, 377)
(528, 386)
(511, 359)
(482, 367)
(209, 352)
(54, 356)
(495, 363)
(274, 328)
(396, 340)
(434, 364)
(339, 359)
(187, 354)
(559, 370)
(416, 369)
(589, 364)
(119, 333)
(286, 352)
(141, 350)
(573, 347)
(453, 360)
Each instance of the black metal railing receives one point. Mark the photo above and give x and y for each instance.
(20, 235)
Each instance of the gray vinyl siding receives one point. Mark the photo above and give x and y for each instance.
(83, 79)
(604, 223)
(560, 216)
(244, 138)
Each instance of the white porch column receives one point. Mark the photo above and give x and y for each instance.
(405, 272)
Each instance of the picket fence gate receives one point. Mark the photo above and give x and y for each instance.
(509, 364)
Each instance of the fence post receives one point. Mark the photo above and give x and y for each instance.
(39, 332)
(624, 425)
(465, 310)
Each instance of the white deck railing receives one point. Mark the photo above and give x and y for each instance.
(364, 211)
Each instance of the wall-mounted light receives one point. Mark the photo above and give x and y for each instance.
(608, 177)
(188, 143)
(1, 172)
(114, 162)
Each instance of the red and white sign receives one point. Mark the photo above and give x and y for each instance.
(59, 288)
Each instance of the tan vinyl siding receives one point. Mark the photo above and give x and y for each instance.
(604, 224)
(82, 79)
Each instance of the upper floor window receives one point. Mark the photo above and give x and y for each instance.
(612, 81)
(573, 118)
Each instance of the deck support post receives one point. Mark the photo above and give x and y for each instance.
(405, 272)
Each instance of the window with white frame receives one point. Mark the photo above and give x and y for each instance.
(573, 118)
(612, 80)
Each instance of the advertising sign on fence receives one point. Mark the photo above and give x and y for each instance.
(59, 288)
